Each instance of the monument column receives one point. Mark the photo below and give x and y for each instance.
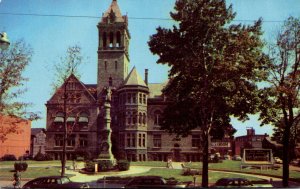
(105, 132)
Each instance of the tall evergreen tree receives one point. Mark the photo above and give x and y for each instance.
(215, 67)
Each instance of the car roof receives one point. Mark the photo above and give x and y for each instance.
(56, 177)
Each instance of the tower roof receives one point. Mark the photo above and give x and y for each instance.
(134, 78)
(114, 8)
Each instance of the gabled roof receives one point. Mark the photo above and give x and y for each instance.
(114, 7)
(134, 79)
(72, 76)
(35, 131)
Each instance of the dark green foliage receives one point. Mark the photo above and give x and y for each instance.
(89, 166)
(42, 157)
(20, 166)
(123, 165)
(9, 157)
(190, 172)
(105, 165)
(79, 158)
(215, 68)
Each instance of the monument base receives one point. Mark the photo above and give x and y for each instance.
(105, 164)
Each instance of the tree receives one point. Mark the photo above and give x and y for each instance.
(281, 98)
(214, 70)
(13, 62)
(67, 66)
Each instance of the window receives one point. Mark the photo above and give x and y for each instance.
(118, 39)
(157, 141)
(110, 81)
(111, 39)
(196, 140)
(105, 65)
(71, 141)
(144, 118)
(144, 140)
(116, 65)
(83, 142)
(128, 98)
(59, 141)
(157, 117)
(140, 140)
(140, 118)
(104, 39)
(131, 140)
(140, 98)
(144, 99)
(134, 118)
(134, 98)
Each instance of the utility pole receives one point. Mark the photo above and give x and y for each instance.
(63, 160)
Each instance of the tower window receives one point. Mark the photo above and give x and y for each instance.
(104, 39)
(110, 82)
(105, 65)
(116, 65)
(140, 118)
(118, 39)
(157, 117)
(111, 39)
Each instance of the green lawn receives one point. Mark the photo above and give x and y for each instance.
(176, 173)
(32, 172)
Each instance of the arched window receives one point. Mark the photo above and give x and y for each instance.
(111, 39)
(104, 39)
(118, 39)
(110, 82)
(157, 117)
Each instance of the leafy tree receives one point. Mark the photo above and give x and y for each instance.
(281, 99)
(13, 62)
(215, 66)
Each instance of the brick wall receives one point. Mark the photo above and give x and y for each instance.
(16, 143)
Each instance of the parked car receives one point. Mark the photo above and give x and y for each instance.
(233, 182)
(153, 182)
(277, 160)
(240, 183)
(227, 157)
(54, 182)
(295, 162)
(237, 158)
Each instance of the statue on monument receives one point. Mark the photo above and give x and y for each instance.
(108, 94)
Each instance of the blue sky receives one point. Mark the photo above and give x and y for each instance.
(50, 36)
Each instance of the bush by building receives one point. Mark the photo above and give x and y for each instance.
(9, 157)
(123, 165)
(42, 157)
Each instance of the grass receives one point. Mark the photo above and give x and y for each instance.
(32, 172)
(176, 173)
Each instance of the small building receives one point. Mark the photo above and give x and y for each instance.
(251, 140)
(37, 141)
(16, 142)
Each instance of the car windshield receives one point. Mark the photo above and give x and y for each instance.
(65, 180)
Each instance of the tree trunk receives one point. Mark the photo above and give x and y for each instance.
(286, 154)
(205, 162)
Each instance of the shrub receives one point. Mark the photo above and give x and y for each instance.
(123, 165)
(89, 166)
(79, 158)
(9, 157)
(42, 157)
(105, 165)
(189, 171)
(20, 166)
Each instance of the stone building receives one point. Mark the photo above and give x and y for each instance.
(136, 106)
(37, 141)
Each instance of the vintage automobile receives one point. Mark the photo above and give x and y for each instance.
(54, 182)
(240, 183)
(154, 182)
(277, 160)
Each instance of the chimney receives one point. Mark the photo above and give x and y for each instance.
(250, 131)
(146, 76)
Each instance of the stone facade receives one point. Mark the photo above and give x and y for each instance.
(135, 107)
